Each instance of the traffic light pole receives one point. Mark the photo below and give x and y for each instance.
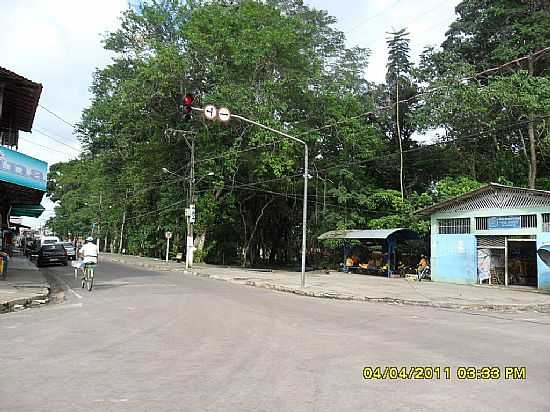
(190, 246)
(304, 213)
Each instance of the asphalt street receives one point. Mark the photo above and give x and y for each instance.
(147, 341)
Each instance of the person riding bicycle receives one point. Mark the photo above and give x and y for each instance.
(89, 252)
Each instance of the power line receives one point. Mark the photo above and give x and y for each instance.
(57, 116)
(380, 108)
(385, 9)
(428, 91)
(70, 137)
(443, 142)
(252, 185)
(44, 147)
(56, 140)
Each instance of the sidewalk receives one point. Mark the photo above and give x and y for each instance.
(24, 286)
(336, 285)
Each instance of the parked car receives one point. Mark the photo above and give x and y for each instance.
(53, 253)
(71, 250)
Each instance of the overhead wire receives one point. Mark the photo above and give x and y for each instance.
(381, 12)
(351, 118)
(253, 185)
(376, 110)
(44, 147)
(56, 115)
(56, 140)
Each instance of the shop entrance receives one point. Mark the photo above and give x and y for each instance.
(507, 260)
(491, 260)
(521, 262)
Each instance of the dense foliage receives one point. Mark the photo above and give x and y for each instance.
(284, 64)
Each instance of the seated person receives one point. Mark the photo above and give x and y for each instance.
(424, 263)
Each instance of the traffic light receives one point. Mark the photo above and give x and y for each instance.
(187, 102)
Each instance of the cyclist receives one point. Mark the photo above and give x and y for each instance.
(89, 252)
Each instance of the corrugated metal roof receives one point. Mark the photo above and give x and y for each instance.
(366, 234)
(492, 196)
(21, 97)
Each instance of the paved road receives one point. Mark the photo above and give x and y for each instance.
(146, 341)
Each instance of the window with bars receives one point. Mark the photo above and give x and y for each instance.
(546, 222)
(482, 223)
(454, 226)
(528, 221)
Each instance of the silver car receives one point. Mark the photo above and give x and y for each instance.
(71, 250)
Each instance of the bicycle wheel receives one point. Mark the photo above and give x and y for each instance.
(84, 276)
(90, 279)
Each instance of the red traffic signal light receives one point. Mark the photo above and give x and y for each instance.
(187, 102)
(188, 99)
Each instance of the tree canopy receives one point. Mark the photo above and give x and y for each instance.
(284, 64)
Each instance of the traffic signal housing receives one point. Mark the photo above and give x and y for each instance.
(187, 101)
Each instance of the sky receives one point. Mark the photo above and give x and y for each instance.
(58, 43)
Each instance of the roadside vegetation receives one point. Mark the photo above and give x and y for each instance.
(373, 161)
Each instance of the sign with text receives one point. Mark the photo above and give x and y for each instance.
(504, 222)
(22, 170)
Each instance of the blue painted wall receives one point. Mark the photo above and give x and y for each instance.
(543, 270)
(454, 258)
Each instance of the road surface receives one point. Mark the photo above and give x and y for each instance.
(147, 341)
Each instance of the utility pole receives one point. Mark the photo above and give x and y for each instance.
(189, 138)
(99, 223)
(191, 214)
(123, 222)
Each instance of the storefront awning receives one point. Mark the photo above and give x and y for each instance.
(27, 210)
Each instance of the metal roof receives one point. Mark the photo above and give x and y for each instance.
(368, 234)
(492, 196)
(20, 101)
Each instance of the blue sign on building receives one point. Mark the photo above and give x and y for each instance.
(504, 222)
(22, 170)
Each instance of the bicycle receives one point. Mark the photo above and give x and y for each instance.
(88, 277)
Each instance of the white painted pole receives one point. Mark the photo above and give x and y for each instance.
(167, 248)
(304, 215)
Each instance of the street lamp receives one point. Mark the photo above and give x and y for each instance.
(304, 214)
(223, 114)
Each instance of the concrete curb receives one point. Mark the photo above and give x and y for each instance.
(33, 300)
(343, 296)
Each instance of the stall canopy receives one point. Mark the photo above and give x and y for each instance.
(22, 183)
(27, 210)
(397, 234)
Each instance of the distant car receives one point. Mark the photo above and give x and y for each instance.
(52, 254)
(71, 251)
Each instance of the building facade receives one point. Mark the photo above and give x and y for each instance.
(22, 178)
(491, 236)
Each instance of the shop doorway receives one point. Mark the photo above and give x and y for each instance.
(521, 262)
(491, 260)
